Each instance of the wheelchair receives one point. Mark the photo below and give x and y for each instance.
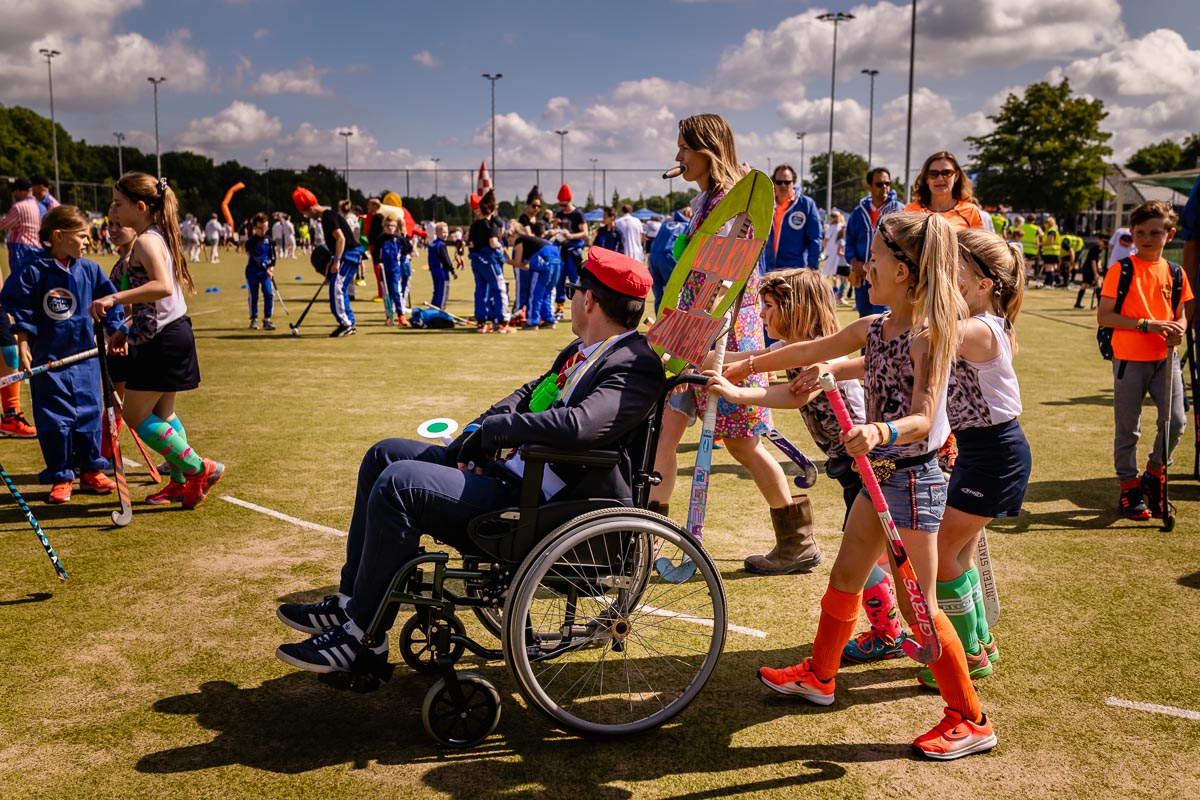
(594, 637)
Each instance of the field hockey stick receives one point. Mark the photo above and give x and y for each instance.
(58, 567)
(155, 475)
(279, 297)
(457, 320)
(1194, 374)
(124, 515)
(698, 506)
(295, 326)
(930, 648)
(387, 293)
(26, 374)
(1168, 511)
(987, 580)
(808, 470)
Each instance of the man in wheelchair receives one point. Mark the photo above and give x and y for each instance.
(600, 391)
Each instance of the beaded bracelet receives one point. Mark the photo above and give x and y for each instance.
(752, 363)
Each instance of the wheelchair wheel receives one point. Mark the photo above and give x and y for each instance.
(416, 643)
(597, 640)
(462, 725)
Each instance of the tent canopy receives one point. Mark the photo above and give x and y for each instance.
(644, 214)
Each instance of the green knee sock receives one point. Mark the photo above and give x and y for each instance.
(981, 625)
(956, 602)
(166, 441)
(175, 423)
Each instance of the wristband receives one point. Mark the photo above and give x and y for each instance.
(883, 433)
(1143, 325)
(894, 431)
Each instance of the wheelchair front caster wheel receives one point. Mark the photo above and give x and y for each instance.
(418, 643)
(462, 725)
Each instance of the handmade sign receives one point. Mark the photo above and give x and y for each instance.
(724, 264)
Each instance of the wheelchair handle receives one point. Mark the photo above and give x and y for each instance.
(691, 378)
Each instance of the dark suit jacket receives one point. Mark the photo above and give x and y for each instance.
(606, 411)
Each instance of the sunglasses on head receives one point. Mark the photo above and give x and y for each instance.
(783, 182)
(942, 173)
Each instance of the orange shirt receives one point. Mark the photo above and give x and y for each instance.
(962, 216)
(780, 209)
(874, 213)
(1149, 297)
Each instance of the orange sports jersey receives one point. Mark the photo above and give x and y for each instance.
(962, 216)
(780, 211)
(1149, 297)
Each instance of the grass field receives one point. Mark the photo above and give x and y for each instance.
(151, 672)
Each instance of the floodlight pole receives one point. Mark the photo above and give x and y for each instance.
(157, 153)
(49, 56)
(800, 181)
(562, 172)
(346, 136)
(493, 79)
(120, 137)
(435, 188)
(871, 73)
(835, 18)
(912, 52)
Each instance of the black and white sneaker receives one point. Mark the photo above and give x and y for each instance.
(313, 617)
(332, 651)
(338, 332)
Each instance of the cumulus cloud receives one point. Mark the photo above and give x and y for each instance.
(237, 125)
(425, 59)
(262, 33)
(93, 55)
(304, 79)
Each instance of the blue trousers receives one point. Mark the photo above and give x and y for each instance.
(406, 488)
(862, 301)
(254, 279)
(660, 274)
(491, 292)
(441, 286)
(340, 284)
(572, 259)
(524, 297)
(541, 292)
(397, 274)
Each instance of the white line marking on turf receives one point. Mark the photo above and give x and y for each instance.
(129, 462)
(286, 518)
(661, 612)
(1153, 708)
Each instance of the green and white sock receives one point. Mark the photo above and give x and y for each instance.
(955, 600)
(165, 440)
(981, 625)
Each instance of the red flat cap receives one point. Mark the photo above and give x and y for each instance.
(304, 199)
(564, 194)
(619, 272)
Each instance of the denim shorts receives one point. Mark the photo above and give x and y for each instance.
(916, 496)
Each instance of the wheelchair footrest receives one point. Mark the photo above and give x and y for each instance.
(359, 682)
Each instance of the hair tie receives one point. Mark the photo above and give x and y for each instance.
(162, 186)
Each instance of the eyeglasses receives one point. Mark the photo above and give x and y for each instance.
(569, 290)
(883, 184)
(942, 173)
(783, 183)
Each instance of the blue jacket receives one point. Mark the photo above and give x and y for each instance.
(260, 254)
(858, 228)
(800, 239)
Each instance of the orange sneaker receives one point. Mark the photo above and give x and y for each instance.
(171, 493)
(798, 680)
(97, 482)
(197, 486)
(955, 737)
(16, 426)
(60, 493)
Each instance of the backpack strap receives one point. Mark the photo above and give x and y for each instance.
(1123, 283)
(1176, 285)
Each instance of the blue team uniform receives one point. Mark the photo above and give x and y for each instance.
(49, 302)
(260, 255)
(439, 269)
(395, 254)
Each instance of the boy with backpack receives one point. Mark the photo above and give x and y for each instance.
(1142, 301)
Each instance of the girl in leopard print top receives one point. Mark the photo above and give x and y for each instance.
(910, 352)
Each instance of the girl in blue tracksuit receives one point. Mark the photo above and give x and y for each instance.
(543, 262)
(440, 266)
(260, 269)
(49, 302)
(487, 264)
(395, 253)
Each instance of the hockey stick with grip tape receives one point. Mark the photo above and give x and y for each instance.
(26, 374)
(58, 567)
(930, 648)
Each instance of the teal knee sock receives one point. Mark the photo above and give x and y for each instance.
(162, 437)
(177, 424)
(981, 625)
(955, 601)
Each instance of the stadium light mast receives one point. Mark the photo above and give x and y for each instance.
(835, 18)
(493, 79)
(871, 73)
(120, 137)
(49, 56)
(562, 172)
(346, 136)
(157, 154)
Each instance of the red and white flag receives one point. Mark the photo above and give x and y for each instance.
(485, 180)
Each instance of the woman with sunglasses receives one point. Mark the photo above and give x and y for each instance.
(708, 155)
(943, 188)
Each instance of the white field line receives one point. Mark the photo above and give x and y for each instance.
(129, 462)
(1153, 708)
(312, 526)
(660, 612)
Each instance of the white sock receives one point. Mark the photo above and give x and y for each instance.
(358, 633)
(343, 601)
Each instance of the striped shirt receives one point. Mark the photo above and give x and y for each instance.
(28, 218)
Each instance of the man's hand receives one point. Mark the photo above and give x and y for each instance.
(472, 457)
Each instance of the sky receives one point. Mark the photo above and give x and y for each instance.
(276, 80)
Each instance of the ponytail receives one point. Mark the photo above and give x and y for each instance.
(164, 212)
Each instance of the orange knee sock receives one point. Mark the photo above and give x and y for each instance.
(839, 613)
(950, 672)
(10, 396)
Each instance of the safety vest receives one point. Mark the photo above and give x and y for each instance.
(1029, 238)
(1000, 223)
(1074, 242)
(1051, 242)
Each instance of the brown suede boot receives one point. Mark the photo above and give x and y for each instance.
(795, 547)
(659, 508)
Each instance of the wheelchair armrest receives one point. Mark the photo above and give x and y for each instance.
(590, 458)
(688, 378)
